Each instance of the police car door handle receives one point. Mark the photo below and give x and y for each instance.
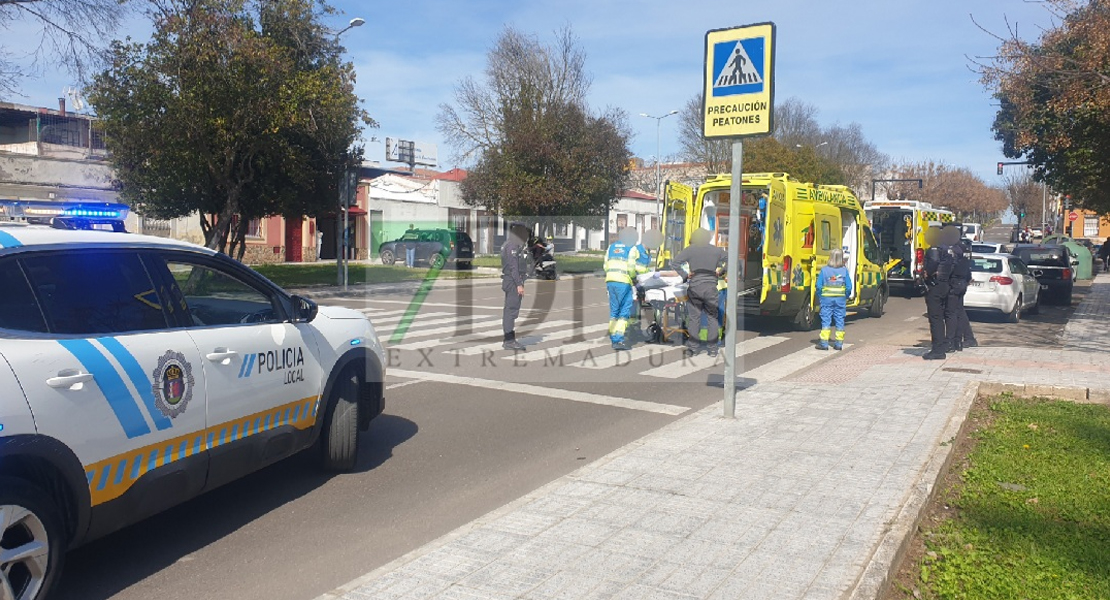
(69, 378)
(221, 355)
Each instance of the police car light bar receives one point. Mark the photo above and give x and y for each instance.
(23, 209)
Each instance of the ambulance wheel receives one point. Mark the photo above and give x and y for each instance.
(339, 438)
(31, 541)
(878, 304)
(806, 319)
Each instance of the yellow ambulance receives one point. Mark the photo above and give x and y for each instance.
(899, 227)
(787, 229)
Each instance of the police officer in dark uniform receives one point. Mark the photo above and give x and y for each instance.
(938, 271)
(957, 325)
(513, 269)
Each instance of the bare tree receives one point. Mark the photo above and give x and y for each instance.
(796, 124)
(1025, 196)
(850, 150)
(715, 155)
(74, 33)
(521, 72)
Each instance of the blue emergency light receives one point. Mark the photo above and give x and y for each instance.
(66, 215)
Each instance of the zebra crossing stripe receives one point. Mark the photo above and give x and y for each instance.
(558, 354)
(476, 336)
(691, 365)
(788, 365)
(488, 322)
(382, 323)
(559, 335)
(518, 389)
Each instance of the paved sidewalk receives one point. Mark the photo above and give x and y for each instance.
(808, 494)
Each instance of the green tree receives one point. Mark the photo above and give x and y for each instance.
(233, 111)
(73, 33)
(1054, 98)
(539, 150)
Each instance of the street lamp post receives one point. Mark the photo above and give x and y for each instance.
(341, 241)
(658, 149)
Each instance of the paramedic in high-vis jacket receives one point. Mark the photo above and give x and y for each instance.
(834, 287)
(621, 268)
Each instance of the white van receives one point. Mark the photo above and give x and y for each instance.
(973, 232)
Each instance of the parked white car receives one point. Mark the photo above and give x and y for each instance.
(1002, 283)
(987, 248)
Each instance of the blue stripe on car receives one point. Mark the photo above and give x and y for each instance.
(111, 385)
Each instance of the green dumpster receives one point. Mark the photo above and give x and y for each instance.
(1082, 260)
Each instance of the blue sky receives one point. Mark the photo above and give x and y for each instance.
(897, 67)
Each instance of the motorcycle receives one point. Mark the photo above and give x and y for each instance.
(543, 261)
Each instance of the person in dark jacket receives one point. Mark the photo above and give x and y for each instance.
(513, 268)
(957, 326)
(1104, 254)
(938, 270)
(701, 265)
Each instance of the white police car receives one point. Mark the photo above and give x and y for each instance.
(138, 372)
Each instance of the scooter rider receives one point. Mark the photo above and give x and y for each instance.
(705, 265)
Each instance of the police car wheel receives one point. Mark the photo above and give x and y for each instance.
(31, 544)
(339, 439)
(387, 257)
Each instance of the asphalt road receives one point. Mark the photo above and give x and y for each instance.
(464, 432)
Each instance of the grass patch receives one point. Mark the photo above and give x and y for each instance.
(566, 264)
(308, 275)
(1026, 514)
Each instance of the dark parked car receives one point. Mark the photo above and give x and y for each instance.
(434, 247)
(1051, 265)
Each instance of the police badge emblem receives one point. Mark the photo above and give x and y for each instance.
(173, 384)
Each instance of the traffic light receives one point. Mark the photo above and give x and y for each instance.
(1000, 171)
(1022, 215)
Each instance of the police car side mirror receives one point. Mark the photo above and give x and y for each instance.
(304, 310)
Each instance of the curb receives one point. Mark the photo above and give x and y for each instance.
(887, 557)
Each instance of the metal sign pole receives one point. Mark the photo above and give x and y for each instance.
(732, 270)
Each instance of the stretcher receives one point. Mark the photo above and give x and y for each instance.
(666, 294)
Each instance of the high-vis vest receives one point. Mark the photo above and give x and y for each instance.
(833, 282)
(618, 267)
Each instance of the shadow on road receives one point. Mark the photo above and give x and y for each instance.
(111, 564)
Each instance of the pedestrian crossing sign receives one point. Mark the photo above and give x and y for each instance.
(739, 81)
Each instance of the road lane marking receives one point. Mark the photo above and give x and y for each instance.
(402, 384)
(545, 392)
(913, 318)
(560, 335)
(475, 336)
(691, 365)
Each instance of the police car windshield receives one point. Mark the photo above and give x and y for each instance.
(986, 265)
